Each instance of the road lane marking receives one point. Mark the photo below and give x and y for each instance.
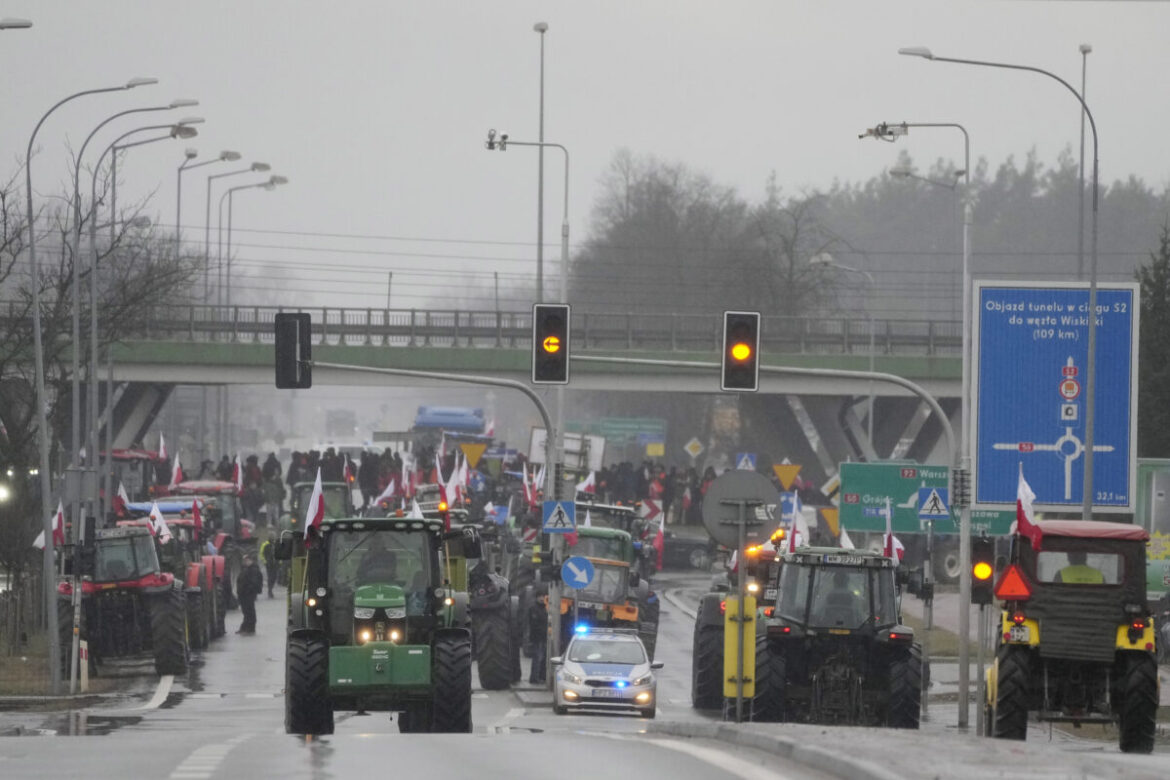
(502, 726)
(670, 596)
(203, 761)
(726, 762)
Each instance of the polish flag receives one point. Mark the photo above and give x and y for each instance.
(176, 473)
(659, 543)
(464, 472)
(686, 499)
(315, 512)
(120, 500)
(1025, 524)
(415, 511)
(490, 428)
(162, 447)
(58, 525)
(197, 517)
(538, 483)
(238, 474)
(386, 494)
(451, 491)
(406, 479)
(158, 524)
(844, 540)
(529, 488)
(892, 547)
(587, 485)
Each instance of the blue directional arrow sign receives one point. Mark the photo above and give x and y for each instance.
(1031, 364)
(559, 517)
(577, 572)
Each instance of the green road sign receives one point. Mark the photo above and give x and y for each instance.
(618, 431)
(866, 486)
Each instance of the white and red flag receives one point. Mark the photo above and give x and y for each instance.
(1025, 524)
(58, 526)
(538, 483)
(158, 524)
(315, 511)
(238, 474)
(659, 542)
(892, 547)
(120, 500)
(464, 472)
(162, 447)
(386, 494)
(176, 473)
(844, 540)
(415, 511)
(588, 485)
(529, 488)
(490, 428)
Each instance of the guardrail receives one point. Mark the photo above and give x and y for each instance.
(590, 330)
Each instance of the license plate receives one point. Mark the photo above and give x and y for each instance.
(769, 594)
(1020, 633)
(606, 693)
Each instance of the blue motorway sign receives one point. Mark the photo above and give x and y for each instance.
(577, 572)
(1030, 361)
(558, 517)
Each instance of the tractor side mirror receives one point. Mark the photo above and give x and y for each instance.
(472, 544)
(634, 579)
(284, 548)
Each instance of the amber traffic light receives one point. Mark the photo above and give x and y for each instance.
(550, 344)
(741, 351)
(982, 569)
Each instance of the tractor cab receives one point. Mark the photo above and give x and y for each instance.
(123, 554)
(337, 496)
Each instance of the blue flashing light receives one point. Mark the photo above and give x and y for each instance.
(580, 629)
(622, 683)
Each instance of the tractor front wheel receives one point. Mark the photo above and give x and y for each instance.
(493, 646)
(771, 679)
(451, 680)
(1139, 704)
(168, 630)
(1011, 693)
(307, 708)
(707, 668)
(906, 688)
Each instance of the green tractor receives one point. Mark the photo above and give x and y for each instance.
(376, 625)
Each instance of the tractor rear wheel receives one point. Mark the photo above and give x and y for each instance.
(451, 682)
(707, 668)
(771, 679)
(1011, 693)
(493, 647)
(905, 688)
(168, 632)
(1139, 704)
(307, 708)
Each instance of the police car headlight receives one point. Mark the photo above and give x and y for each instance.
(572, 678)
(646, 680)
(363, 613)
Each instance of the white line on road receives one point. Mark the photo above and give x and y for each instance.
(502, 725)
(689, 612)
(160, 695)
(716, 758)
(203, 761)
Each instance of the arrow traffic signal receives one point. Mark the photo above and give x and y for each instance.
(741, 348)
(982, 570)
(550, 344)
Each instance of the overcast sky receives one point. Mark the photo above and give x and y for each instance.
(377, 111)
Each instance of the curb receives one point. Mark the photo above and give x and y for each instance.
(821, 759)
(67, 699)
(669, 596)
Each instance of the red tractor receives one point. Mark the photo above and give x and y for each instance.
(231, 534)
(129, 606)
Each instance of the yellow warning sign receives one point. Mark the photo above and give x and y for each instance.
(830, 515)
(786, 473)
(473, 452)
(731, 646)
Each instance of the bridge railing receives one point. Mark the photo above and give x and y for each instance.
(590, 330)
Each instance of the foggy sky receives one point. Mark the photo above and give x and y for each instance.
(377, 111)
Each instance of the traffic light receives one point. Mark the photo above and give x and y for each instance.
(741, 351)
(982, 569)
(294, 371)
(550, 344)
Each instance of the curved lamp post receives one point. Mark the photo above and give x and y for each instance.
(50, 591)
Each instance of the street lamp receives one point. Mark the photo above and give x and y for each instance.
(1085, 50)
(76, 377)
(826, 260)
(540, 28)
(1091, 380)
(268, 186)
(48, 580)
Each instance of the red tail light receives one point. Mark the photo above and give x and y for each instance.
(1139, 624)
(1018, 618)
(722, 607)
(900, 637)
(1013, 586)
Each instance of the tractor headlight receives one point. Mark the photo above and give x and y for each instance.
(365, 636)
(395, 635)
(363, 613)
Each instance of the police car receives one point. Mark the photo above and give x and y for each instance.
(605, 669)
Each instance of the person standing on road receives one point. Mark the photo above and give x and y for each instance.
(268, 555)
(273, 499)
(248, 586)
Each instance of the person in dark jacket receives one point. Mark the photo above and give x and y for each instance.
(249, 585)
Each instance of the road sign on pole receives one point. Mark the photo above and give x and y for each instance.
(786, 473)
(694, 448)
(1031, 350)
(577, 572)
(559, 517)
(745, 461)
(933, 503)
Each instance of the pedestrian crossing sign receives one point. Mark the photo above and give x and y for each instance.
(933, 504)
(559, 517)
(745, 461)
